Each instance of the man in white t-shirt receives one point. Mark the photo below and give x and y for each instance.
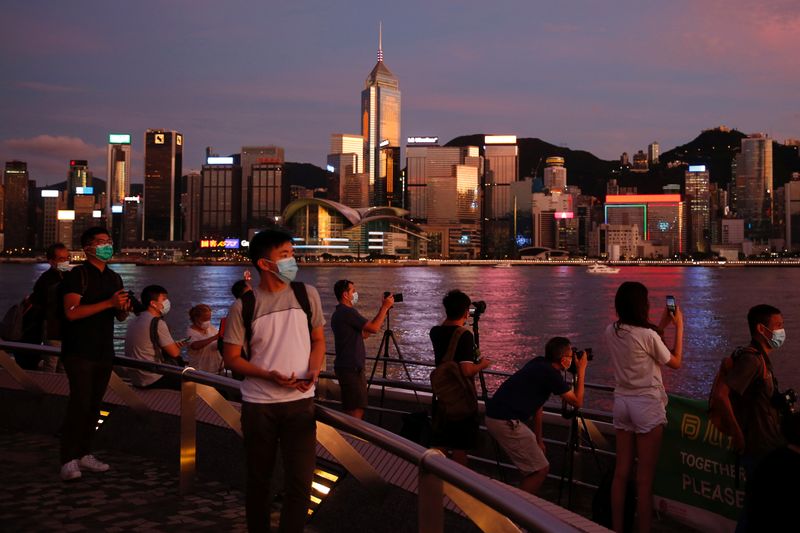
(140, 343)
(286, 346)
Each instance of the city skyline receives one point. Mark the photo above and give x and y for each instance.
(591, 78)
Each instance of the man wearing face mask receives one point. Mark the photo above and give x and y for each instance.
(43, 320)
(350, 329)
(148, 339)
(93, 295)
(285, 342)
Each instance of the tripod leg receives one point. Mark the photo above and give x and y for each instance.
(592, 446)
(375, 364)
(403, 364)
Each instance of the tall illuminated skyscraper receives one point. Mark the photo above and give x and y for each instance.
(698, 200)
(380, 119)
(163, 165)
(754, 186)
(500, 170)
(118, 168)
(15, 212)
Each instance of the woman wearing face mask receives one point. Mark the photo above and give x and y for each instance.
(203, 352)
(637, 352)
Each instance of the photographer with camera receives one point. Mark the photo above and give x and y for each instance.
(350, 329)
(523, 396)
(756, 404)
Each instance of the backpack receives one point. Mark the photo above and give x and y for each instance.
(249, 310)
(12, 326)
(455, 393)
(159, 353)
(720, 410)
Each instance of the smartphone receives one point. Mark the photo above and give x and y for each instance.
(671, 307)
(185, 340)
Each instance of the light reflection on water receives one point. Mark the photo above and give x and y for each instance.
(526, 306)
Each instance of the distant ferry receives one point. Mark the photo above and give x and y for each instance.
(502, 265)
(599, 268)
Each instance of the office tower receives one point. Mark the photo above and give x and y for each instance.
(732, 231)
(388, 190)
(623, 159)
(220, 198)
(264, 194)
(163, 167)
(792, 199)
(380, 117)
(118, 168)
(698, 204)
(86, 216)
(15, 201)
(522, 202)
(754, 186)
(618, 240)
(653, 153)
(346, 157)
(639, 162)
(659, 217)
(356, 191)
(52, 202)
(2, 213)
(191, 204)
(453, 212)
(78, 176)
(555, 174)
(500, 170)
(549, 211)
(132, 210)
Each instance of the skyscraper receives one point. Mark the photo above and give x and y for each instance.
(653, 153)
(264, 195)
(698, 201)
(754, 186)
(380, 118)
(500, 170)
(346, 158)
(555, 174)
(118, 168)
(163, 166)
(220, 198)
(15, 212)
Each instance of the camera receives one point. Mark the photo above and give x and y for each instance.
(398, 297)
(477, 308)
(784, 401)
(576, 354)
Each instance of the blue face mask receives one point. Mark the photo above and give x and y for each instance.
(287, 269)
(777, 339)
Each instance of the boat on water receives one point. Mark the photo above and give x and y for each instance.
(502, 265)
(601, 268)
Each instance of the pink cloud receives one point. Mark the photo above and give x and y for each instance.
(48, 156)
(47, 87)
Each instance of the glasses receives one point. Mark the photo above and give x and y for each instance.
(102, 243)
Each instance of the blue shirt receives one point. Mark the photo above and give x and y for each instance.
(347, 325)
(521, 395)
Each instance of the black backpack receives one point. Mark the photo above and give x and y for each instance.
(12, 326)
(249, 309)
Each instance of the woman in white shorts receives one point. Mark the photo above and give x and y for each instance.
(637, 352)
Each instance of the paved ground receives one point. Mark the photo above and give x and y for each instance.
(137, 494)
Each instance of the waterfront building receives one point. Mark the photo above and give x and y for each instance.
(163, 166)
(500, 170)
(191, 205)
(659, 217)
(639, 162)
(522, 214)
(264, 194)
(552, 219)
(653, 153)
(619, 240)
(754, 194)
(118, 168)
(356, 191)
(15, 202)
(131, 221)
(623, 159)
(453, 214)
(52, 202)
(321, 226)
(346, 158)
(792, 210)
(79, 180)
(220, 197)
(380, 118)
(698, 203)
(388, 186)
(2, 213)
(733, 231)
(555, 174)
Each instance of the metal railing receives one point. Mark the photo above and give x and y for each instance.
(491, 506)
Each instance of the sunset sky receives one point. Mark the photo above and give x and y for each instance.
(601, 76)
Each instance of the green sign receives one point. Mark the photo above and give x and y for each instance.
(119, 138)
(696, 478)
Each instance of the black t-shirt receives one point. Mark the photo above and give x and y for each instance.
(347, 325)
(91, 337)
(773, 492)
(440, 337)
(521, 395)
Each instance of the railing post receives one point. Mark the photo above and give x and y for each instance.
(188, 435)
(430, 497)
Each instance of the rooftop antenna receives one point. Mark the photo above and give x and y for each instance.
(380, 41)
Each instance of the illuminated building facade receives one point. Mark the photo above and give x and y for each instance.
(380, 119)
(698, 204)
(553, 219)
(163, 166)
(555, 174)
(15, 205)
(264, 194)
(754, 186)
(220, 197)
(346, 158)
(653, 153)
(792, 202)
(660, 217)
(118, 168)
(501, 169)
(321, 226)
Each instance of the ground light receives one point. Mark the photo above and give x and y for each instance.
(103, 415)
(326, 476)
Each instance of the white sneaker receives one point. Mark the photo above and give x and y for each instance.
(90, 463)
(70, 471)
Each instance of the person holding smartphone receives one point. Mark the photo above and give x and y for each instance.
(637, 350)
(202, 338)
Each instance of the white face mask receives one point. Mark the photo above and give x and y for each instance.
(355, 298)
(63, 266)
(166, 307)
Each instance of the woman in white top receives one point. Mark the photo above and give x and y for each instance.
(637, 352)
(203, 352)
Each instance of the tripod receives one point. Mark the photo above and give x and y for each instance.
(383, 353)
(578, 431)
(476, 317)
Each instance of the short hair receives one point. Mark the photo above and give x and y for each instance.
(554, 349)
(456, 304)
(50, 253)
(341, 287)
(88, 236)
(760, 314)
(151, 293)
(198, 310)
(239, 288)
(265, 241)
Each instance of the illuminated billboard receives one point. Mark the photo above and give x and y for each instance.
(697, 168)
(643, 198)
(119, 138)
(422, 140)
(228, 244)
(49, 193)
(564, 214)
(330, 168)
(84, 190)
(65, 214)
(500, 139)
(97, 214)
(215, 160)
(116, 209)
